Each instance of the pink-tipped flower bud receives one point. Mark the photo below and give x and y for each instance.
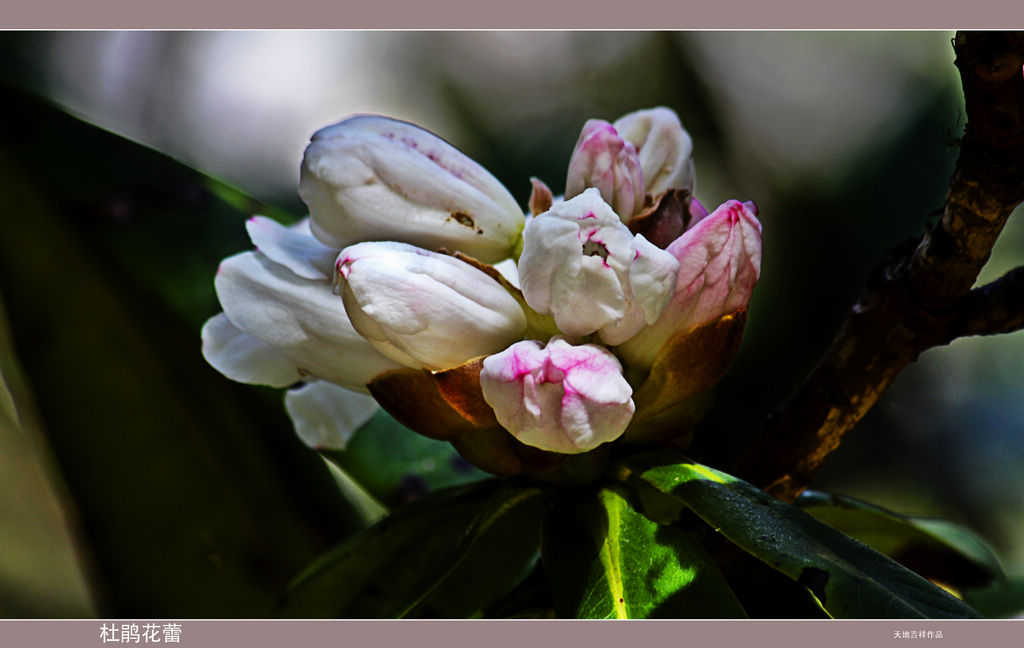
(719, 263)
(581, 265)
(425, 309)
(559, 397)
(602, 159)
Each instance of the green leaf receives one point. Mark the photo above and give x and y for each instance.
(607, 561)
(388, 569)
(195, 497)
(396, 465)
(849, 579)
(1000, 600)
(939, 549)
(496, 563)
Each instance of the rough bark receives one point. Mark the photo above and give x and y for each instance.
(920, 296)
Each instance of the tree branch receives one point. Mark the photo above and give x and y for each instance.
(995, 308)
(918, 297)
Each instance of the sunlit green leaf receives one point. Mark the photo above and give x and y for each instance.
(396, 465)
(939, 549)
(607, 561)
(388, 569)
(849, 579)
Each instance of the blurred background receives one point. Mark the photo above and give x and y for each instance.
(136, 481)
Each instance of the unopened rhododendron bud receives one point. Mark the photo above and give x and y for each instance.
(371, 178)
(584, 267)
(559, 397)
(602, 159)
(719, 263)
(665, 150)
(425, 309)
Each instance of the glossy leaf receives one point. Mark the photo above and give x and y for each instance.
(938, 549)
(848, 578)
(495, 564)
(390, 568)
(607, 561)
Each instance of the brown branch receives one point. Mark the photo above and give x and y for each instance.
(919, 296)
(995, 308)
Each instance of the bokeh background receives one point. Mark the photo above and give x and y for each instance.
(136, 481)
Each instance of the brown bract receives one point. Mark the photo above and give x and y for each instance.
(675, 394)
(665, 219)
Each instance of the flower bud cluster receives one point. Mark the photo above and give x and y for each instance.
(417, 265)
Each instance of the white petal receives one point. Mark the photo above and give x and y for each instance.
(301, 318)
(652, 277)
(325, 415)
(665, 149)
(509, 270)
(244, 358)
(293, 247)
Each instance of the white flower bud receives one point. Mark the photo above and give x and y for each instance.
(664, 148)
(581, 265)
(559, 397)
(425, 309)
(372, 178)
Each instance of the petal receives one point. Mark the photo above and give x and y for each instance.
(652, 277)
(301, 318)
(293, 247)
(663, 146)
(244, 358)
(325, 415)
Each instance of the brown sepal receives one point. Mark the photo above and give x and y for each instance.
(541, 197)
(689, 364)
(413, 397)
(460, 389)
(665, 219)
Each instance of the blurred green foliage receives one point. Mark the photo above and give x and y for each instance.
(193, 496)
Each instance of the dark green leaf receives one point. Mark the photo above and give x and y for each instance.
(396, 465)
(607, 561)
(1000, 600)
(495, 564)
(388, 569)
(939, 549)
(195, 498)
(849, 579)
